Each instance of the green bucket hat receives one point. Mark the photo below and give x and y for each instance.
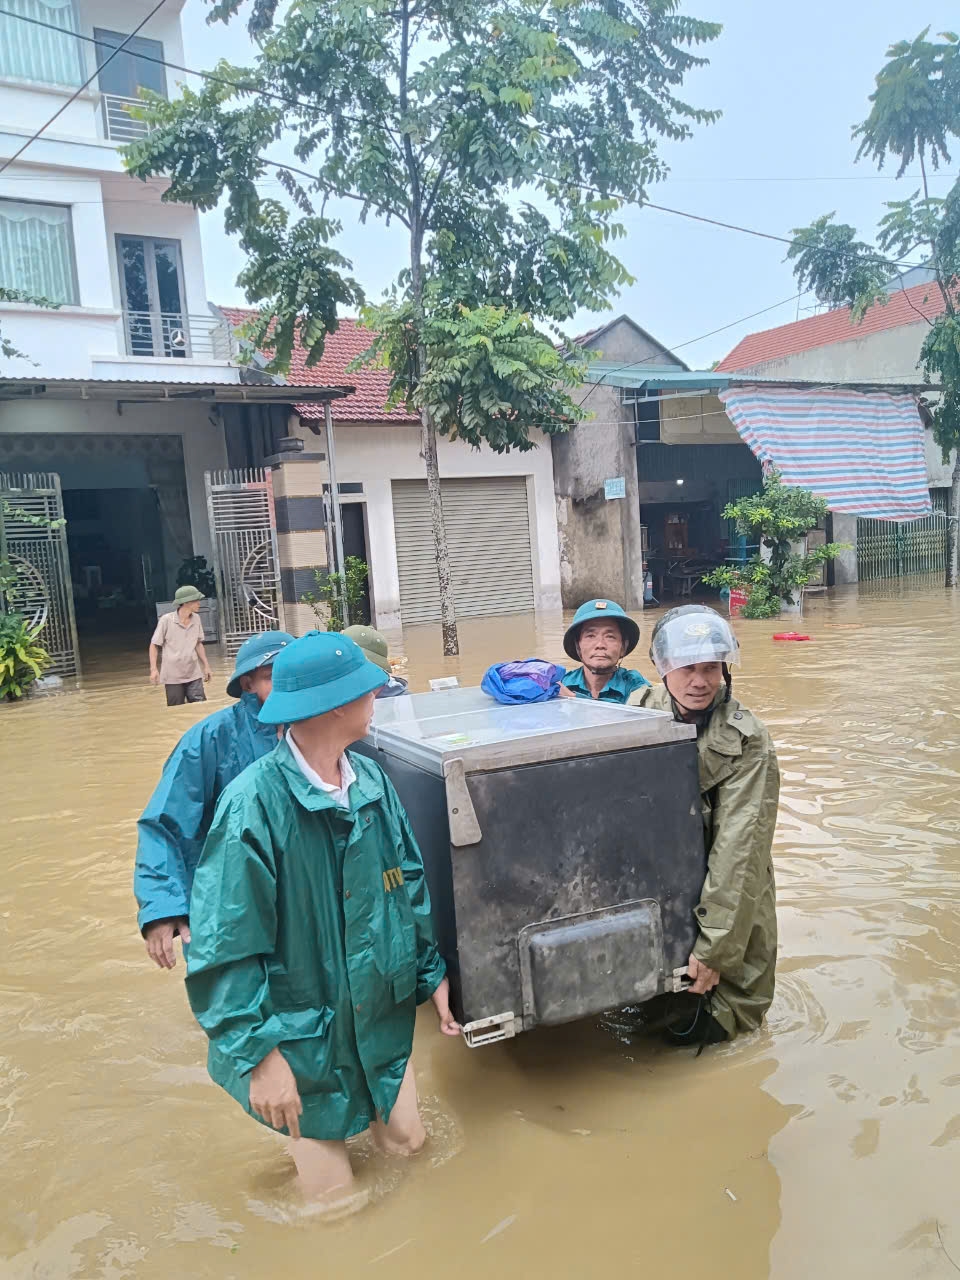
(184, 595)
(257, 651)
(319, 672)
(592, 611)
(373, 644)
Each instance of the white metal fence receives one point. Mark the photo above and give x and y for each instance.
(174, 334)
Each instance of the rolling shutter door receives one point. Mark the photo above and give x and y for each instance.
(488, 535)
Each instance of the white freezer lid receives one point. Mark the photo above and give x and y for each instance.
(428, 728)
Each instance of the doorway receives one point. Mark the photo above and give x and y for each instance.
(153, 294)
(355, 544)
(117, 561)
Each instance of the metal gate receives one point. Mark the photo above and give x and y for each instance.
(243, 528)
(33, 539)
(892, 549)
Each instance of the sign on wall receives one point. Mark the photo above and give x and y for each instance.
(615, 488)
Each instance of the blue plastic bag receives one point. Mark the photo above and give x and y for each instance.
(526, 680)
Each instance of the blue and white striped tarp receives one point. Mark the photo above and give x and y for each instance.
(861, 450)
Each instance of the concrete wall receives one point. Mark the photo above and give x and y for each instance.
(199, 429)
(889, 356)
(600, 548)
(695, 420)
(845, 566)
(376, 455)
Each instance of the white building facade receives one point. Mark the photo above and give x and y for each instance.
(129, 390)
(124, 270)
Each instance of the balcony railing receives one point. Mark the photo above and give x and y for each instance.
(175, 335)
(118, 124)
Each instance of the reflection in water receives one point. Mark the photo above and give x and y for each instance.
(826, 1145)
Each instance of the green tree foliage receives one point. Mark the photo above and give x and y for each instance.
(336, 589)
(504, 136)
(776, 519)
(914, 117)
(22, 659)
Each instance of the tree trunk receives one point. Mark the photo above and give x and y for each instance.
(448, 611)
(953, 524)
(428, 430)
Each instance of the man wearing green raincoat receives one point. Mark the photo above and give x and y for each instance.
(312, 939)
(733, 962)
(174, 825)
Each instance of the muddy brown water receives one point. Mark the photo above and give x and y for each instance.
(826, 1145)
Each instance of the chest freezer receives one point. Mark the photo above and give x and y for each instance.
(563, 849)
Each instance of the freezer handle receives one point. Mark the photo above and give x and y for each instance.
(461, 815)
(681, 980)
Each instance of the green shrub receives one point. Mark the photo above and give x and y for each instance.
(22, 660)
(776, 518)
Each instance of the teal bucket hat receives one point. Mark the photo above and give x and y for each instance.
(319, 672)
(257, 651)
(601, 610)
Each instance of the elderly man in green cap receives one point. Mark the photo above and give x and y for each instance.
(183, 666)
(599, 637)
(376, 650)
(312, 939)
(174, 825)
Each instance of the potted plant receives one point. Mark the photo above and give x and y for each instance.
(777, 521)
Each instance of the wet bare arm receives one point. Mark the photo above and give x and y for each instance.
(154, 664)
(202, 655)
(274, 1095)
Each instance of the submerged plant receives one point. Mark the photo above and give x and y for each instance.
(22, 660)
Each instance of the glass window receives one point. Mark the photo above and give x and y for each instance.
(28, 52)
(36, 251)
(151, 277)
(128, 73)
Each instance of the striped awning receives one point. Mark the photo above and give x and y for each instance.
(861, 450)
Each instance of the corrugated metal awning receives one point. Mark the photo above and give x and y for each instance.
(137, 389)
(640, 375)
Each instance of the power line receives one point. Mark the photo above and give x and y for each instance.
(298, 102)
(77, 92)
(240, 86)
(767, 235)
(837, 177)
(630, 364)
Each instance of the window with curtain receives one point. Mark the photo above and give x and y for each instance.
(28, 52)
(36, 251)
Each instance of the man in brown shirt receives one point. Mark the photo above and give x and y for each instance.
(183, 663)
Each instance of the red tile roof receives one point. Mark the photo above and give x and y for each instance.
(348, 341)
(907, 306)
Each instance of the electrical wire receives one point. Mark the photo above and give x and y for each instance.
(77, 92)
(631, 364)
(297, 102)
(257, 90)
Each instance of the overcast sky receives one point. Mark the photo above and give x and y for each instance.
(790, 81)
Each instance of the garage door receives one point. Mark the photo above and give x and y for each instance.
(488, 535)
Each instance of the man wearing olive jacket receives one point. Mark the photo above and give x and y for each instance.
(734, 958)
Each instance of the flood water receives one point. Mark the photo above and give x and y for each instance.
(827, 1145)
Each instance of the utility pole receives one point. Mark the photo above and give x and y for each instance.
(339, 567)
